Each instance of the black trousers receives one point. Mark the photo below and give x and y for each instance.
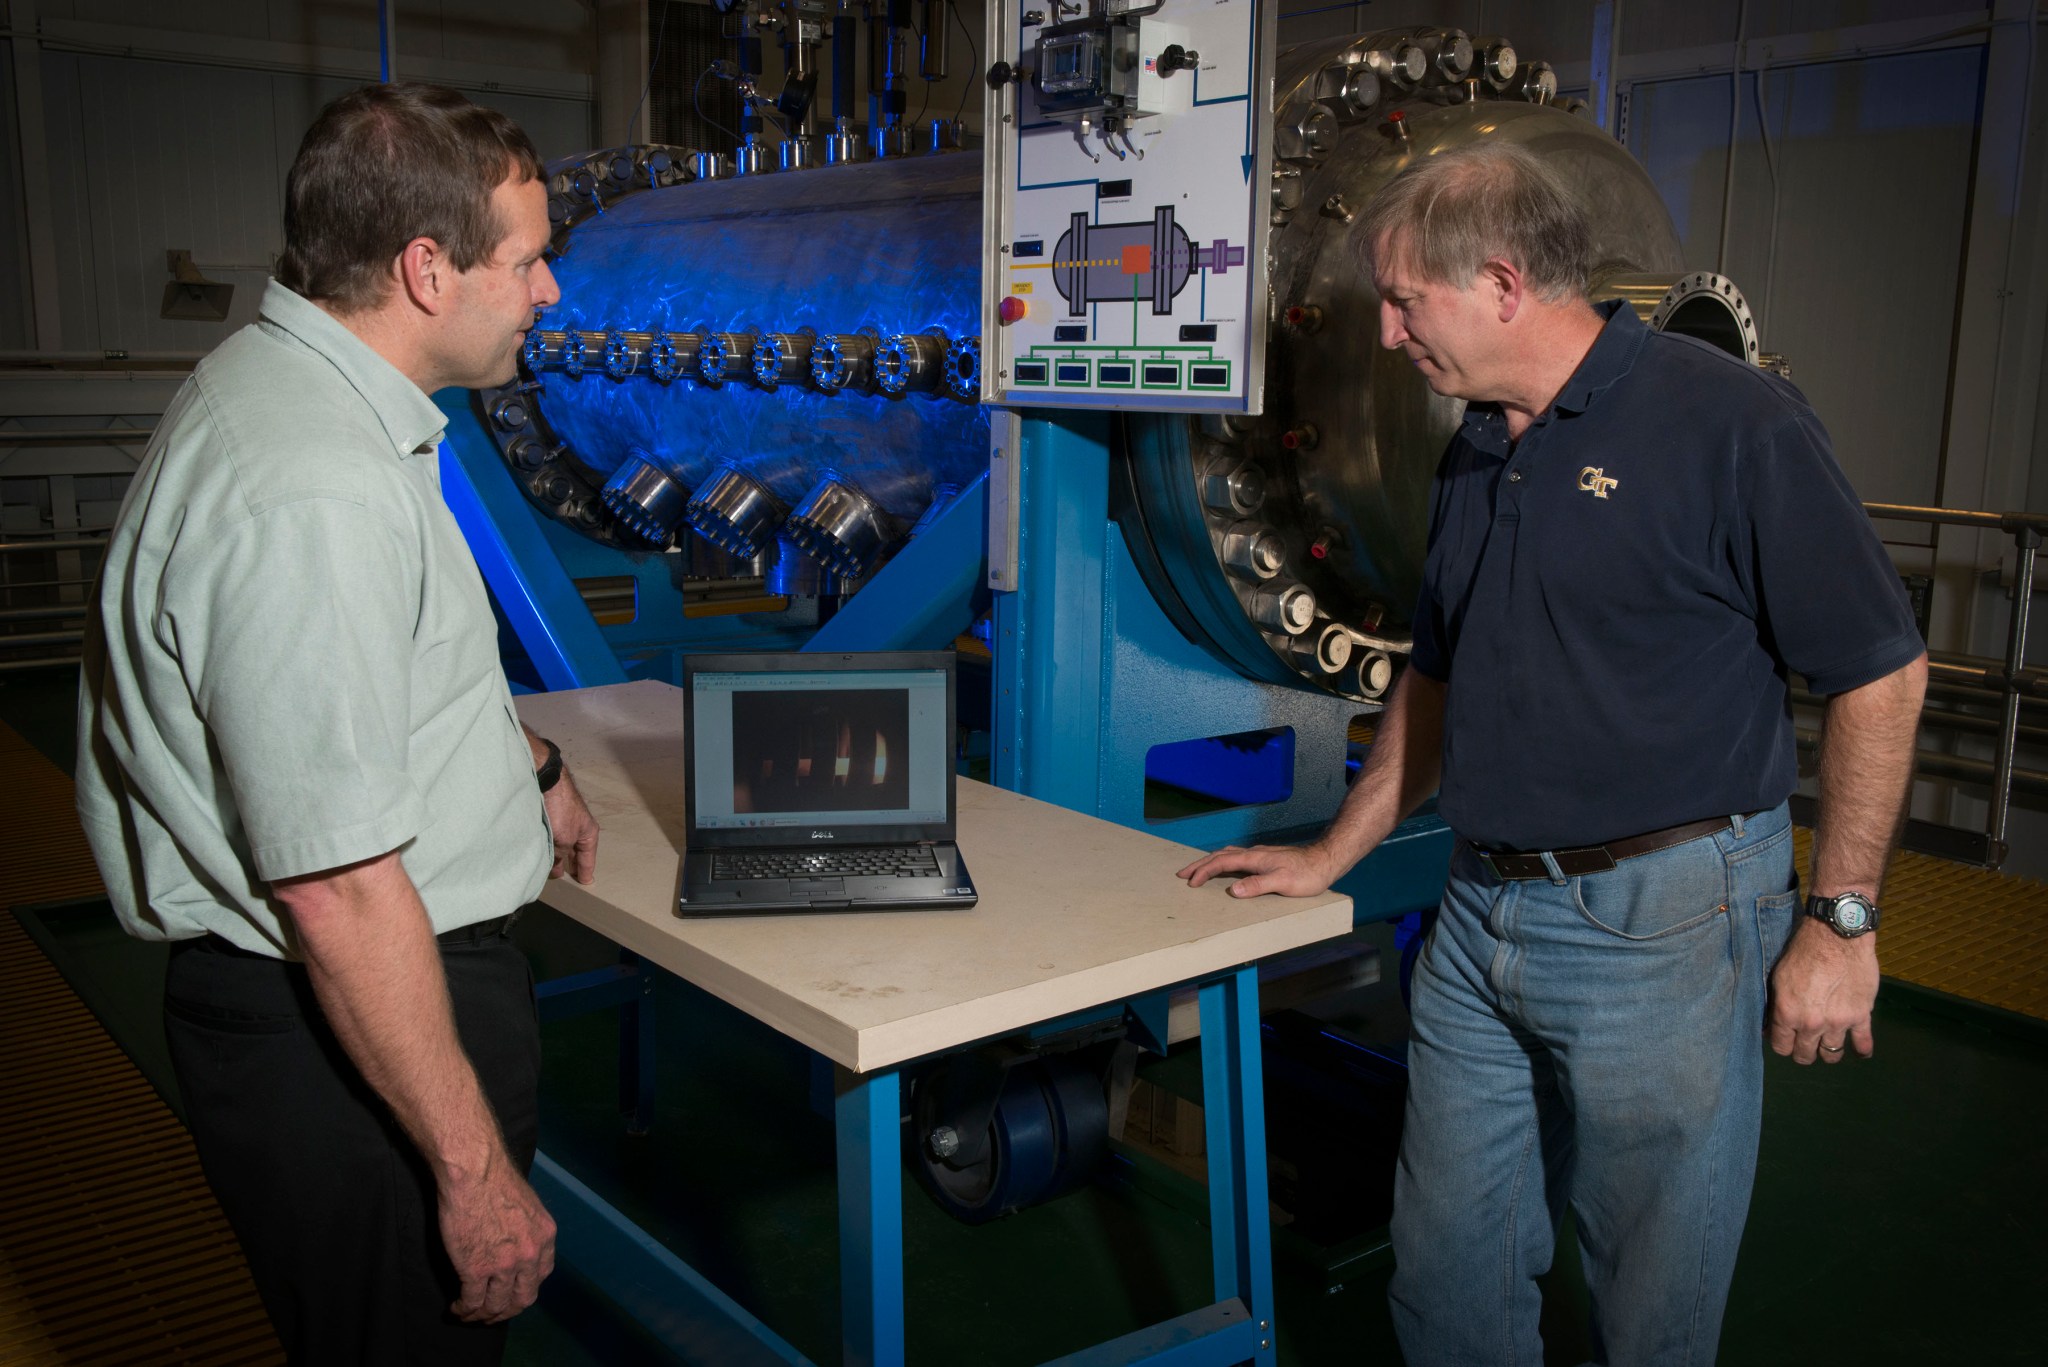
(334, 1207)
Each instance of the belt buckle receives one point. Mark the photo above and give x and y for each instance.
(1486, 858)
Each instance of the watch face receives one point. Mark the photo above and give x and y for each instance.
(1852, 914)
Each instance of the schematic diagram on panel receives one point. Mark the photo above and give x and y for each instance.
(1122, 269)
(1143, 263)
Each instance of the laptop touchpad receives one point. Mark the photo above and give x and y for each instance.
(809, 887)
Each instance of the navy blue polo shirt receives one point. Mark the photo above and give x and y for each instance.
(1614, 601)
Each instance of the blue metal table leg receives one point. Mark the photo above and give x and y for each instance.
(636, 1050)
(1234, 1109)
(869, 1117)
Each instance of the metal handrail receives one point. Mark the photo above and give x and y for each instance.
(2009, 679)
(1959, 517)
(98, 543)
(87, 436)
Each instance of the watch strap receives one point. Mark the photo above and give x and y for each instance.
(550, 771)
(1825, 909)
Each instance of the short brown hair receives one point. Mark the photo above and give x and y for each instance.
(386, 164)
(1460, 209)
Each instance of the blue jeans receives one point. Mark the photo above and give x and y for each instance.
(1593, 1040)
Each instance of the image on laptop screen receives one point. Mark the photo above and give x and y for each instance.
(844, 748)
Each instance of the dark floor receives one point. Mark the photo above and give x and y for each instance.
(1901, 1213)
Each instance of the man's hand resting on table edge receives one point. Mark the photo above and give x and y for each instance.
(1290, 870)
(575, 830)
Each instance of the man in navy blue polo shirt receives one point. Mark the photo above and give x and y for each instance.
(1634, 539)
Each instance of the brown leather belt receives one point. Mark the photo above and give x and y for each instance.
(1514, 866)
(478, 932)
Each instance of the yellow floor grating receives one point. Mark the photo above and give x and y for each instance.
(112, 1249)
(1968, 932)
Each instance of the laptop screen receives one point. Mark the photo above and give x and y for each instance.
(787, 753)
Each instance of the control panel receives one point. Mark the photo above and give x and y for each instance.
(1127, 164)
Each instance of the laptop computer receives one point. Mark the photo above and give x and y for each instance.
(820, 783)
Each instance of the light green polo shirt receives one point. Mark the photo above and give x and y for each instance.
(292, 664)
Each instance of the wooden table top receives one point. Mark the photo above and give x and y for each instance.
(1074, 911)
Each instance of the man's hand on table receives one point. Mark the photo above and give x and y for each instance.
(500, 1239)
(1290, 870)
(575, 830)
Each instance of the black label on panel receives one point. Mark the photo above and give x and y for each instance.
(1198, 332)
(1070, 332)
(1113, 189)
(1028, 248)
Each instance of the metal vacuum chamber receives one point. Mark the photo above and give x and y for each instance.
(776, 373)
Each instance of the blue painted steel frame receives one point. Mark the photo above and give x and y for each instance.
(1091, 674)
(534, 592)
(1236, 1327)
(930, 591)
(687, 1313)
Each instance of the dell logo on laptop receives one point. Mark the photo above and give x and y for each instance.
(821, 835)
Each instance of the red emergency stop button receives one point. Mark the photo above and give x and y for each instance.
(1012, 308)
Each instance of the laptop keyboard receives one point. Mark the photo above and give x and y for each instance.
(841, 863)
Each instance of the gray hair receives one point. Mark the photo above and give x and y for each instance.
(1455, 211)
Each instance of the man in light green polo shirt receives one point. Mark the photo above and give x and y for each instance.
(299, 758)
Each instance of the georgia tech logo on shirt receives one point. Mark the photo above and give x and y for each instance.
(1596, 482)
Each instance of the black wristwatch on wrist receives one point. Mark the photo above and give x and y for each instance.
(550, 772)
(1848, 915)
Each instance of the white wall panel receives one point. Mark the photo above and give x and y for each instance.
(1853, 269)
(161, 157)
(17, 325)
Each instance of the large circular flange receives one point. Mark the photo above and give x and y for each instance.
(644, 497)
(844, 361)
(1340, 463)
(963, 368)
(734, 512)
(838, 526)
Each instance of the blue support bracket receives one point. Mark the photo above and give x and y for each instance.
(1049, 635)
(1147, 1019)
(663, 1294)
(535, 593)
(1239, 1221)
(628, 985)
(870, 1132)
(930, 592)
(1223, 1333)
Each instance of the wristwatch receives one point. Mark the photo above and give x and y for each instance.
(550, 772)
(1848, 915)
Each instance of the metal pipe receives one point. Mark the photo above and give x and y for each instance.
(931, 54)
(1929, 765)
(44, 614)
(100, 360)
(1734, 129)
(1982, 697)
(1940, 718)
(84, 543)
(110, 436)
(43, 638)
(2015, 665)
(1993, 676)
(387, 41)
(845, 43)
(46, 662)
(2014, 522)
